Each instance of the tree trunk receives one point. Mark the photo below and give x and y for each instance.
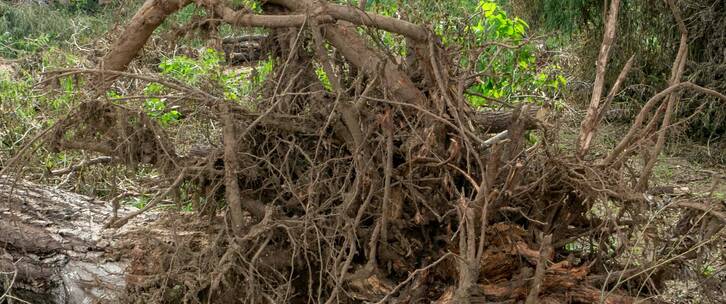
(138, 31)
(53, 247)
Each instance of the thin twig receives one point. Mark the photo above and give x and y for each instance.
(84, 163)
(155, 201)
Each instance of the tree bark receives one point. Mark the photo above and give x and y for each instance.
(138, 31)
(53, 248)
(498, 121)
(590, 121)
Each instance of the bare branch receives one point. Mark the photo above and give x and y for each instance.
(590, 121)
(676, 73)
(589, 134)
(385, 23)
(544, 255)
(241, 18)
(358, 17)
(231, 165)
(84, 163)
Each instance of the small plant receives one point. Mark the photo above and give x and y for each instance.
(156, 106)
(708, 270)
(55, 160)
(139, 202)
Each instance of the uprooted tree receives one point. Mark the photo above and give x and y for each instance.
(389, 187)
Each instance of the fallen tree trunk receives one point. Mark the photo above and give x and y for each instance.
(53, 248)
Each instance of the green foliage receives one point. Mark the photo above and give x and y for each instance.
(11, 46)
(496, 25)
(261, 72)
(193, 70)
(708, 271)
(24, 111)
(509, 74)
(43, 38)
(83, 6)
(575, 246)
(55, 160)
(138, 202)
(208, 68)
(184, 69)
(184, 15)
(252, 5)
(205, 71)
(324, 79)
(18, 97)
(646, 29)
(720, 195)
(156, 107)
(17, 107)
(563, 16)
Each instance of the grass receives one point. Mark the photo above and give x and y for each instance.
(663, 169)
(35, 39)
(29, 28)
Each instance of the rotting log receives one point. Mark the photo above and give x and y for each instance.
(53, 248)
(497, 121)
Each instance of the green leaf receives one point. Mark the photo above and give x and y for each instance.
(562, 80)
(324, 79)
(488, 8)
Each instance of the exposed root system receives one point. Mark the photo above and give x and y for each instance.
(386, 188)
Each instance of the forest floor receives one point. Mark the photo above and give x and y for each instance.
(685, 166)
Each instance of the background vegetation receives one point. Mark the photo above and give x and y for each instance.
(647, 30)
